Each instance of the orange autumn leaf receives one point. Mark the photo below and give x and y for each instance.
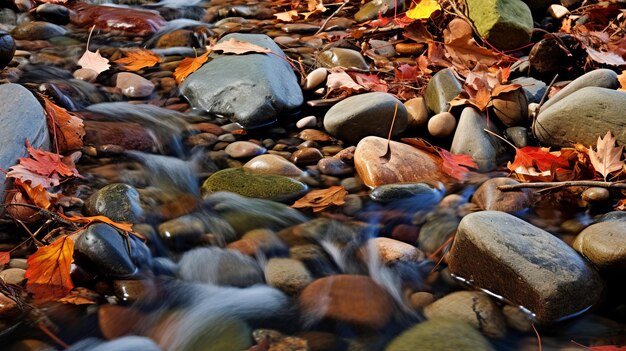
(5, 257)
(189, 65)
(455, 165)
(48, 270)
(126, 227)
(622, 81)
(43, 168)
(68, 129)
(37, 195)
(286, 16)
(80, 296)
(538, 158)
(321, 199)
(138, 59)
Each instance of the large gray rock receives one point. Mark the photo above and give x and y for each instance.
(21, 118)
(250, 89)
(524, 264)
(505, 24)
(583, 116)
(364, 115)
(471, 139)
(602, 78)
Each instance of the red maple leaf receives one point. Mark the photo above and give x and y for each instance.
(537, 157)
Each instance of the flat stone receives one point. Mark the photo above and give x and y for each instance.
(470, 139)
(340, 57)
(117, 20)
(583, 116)
(133, 85)
(272, 164)
(603, 244)
(288, 275)
(506, 24)
(119, 202)
(422, 193)
(602, 78)
(524, 264)
(392, 251)
(488, 197)
(213, 265)
(364, 115)
(244, 149)
(262, 186)
(252, 89)
(24, 114)
(473, 307)
(441, 89)
(355, 300)
(405, 164)
(37, 30)
(440, 334)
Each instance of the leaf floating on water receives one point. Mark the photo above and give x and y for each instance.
(80, 296)
(138, 59)
(189, 65)
(424, 9)
(238, 47)
(322, 199)
(48, 270)
(93, 60)
(125, 227)
(608, 157)
(68, 129)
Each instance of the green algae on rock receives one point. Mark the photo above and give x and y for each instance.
(261, 186)
(505, 24)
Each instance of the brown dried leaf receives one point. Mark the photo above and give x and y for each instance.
(607, 58)
(80, 296)
(237, 47)
(48, 270)
(138, 59)
(5, 257)
(286, 16)
(607, 158)
(463, 51)
(189, 65)
(622, 81)
(321, 199)
(68, 129)
(338, 79)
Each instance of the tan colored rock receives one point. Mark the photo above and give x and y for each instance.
(391, 250)
(352, 299)
(489, 198)
(404, 164)
(511, 108)
(604, 244)
(272, 164)
(473, 307)
(418, 113)
(442, 125)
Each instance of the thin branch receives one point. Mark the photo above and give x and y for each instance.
(594, 183)
(346, 2)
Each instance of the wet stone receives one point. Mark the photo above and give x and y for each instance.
(392, 251)
(436, 231)
(596, 195)
(334, 167)
(244, 149)
(306, 156)
(340, 57)
(307, 122)
(133, 85)
(13, 275)
(488, 197)
(37, 30)
(272, 164)
(422, 193)
(288, 275)
(222, 267)
(7, 49)
(53, 13)
(603, 244)
(441, 89)
(524, 264)
(117, 20)
(263, 186)
(119, 202)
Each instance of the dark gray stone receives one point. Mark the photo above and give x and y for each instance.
(533, 88)
(250, 89)
(420, 192)
(441, 89)
(524, 264)
(365, 115)
(25, 116)
(213, 265)
(120, 202)
(37, 30)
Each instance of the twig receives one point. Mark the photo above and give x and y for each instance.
(538, 336)
(393, 121)
(331, 16)
(594, 183)
(46, 213)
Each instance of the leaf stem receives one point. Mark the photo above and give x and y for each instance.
(593, 183)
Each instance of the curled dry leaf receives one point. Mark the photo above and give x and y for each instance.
(237, 47)
(339, 80)
(189, 65)
(48, 270)
(36, 195)
(68, 129)
(125, 227)
(607, 158)
(607, 58)
(322, 199)
(138, 59)
(43, 168)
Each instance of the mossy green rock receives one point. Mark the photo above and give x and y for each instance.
(440, 335)
(260, 186)
(505, 24)
(221, 334)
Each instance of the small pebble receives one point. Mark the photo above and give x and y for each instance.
(442, 125)
(307, 122)
(596, 194)
(315, 78)
(244, 149)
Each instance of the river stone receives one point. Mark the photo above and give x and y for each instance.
(418, 113)
(533, 88)
(418, 191)
(603, 244)
(392, 251)
(13, 275)
(505, 24)
(442, 125)
(355, 300)
(53, 13)
(440, 335)
(473, 307)
(25, 116)
(272, 164)
(363, 115)
(37, 30)
(133, 85)
(110, 252)
(518, 136)
(120, 202)
(288, 275)
(244, 149)
(372, 9)
(262, 186)
(441, 89)
(214, 265)
(511, 108)
(602, 78)
(116, 20)
(251, 89)
(582, 117)
(340, 57)
(488, 197)
(524, 264)
(7, 49)
(470, 139)
(405, 164)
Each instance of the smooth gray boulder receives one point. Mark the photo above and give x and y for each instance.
(602, 78)
(21, 118)
(524, 264)
(582, 117)
(250, 89)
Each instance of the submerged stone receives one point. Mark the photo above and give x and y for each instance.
(256, 185)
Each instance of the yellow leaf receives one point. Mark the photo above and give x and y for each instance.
(189, 65)
(423, 10)
(622, 81)
(138, 59)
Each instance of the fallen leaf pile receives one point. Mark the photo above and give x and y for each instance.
(43, 168)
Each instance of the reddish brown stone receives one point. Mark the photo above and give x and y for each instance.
(125, 21)
(130, 136)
